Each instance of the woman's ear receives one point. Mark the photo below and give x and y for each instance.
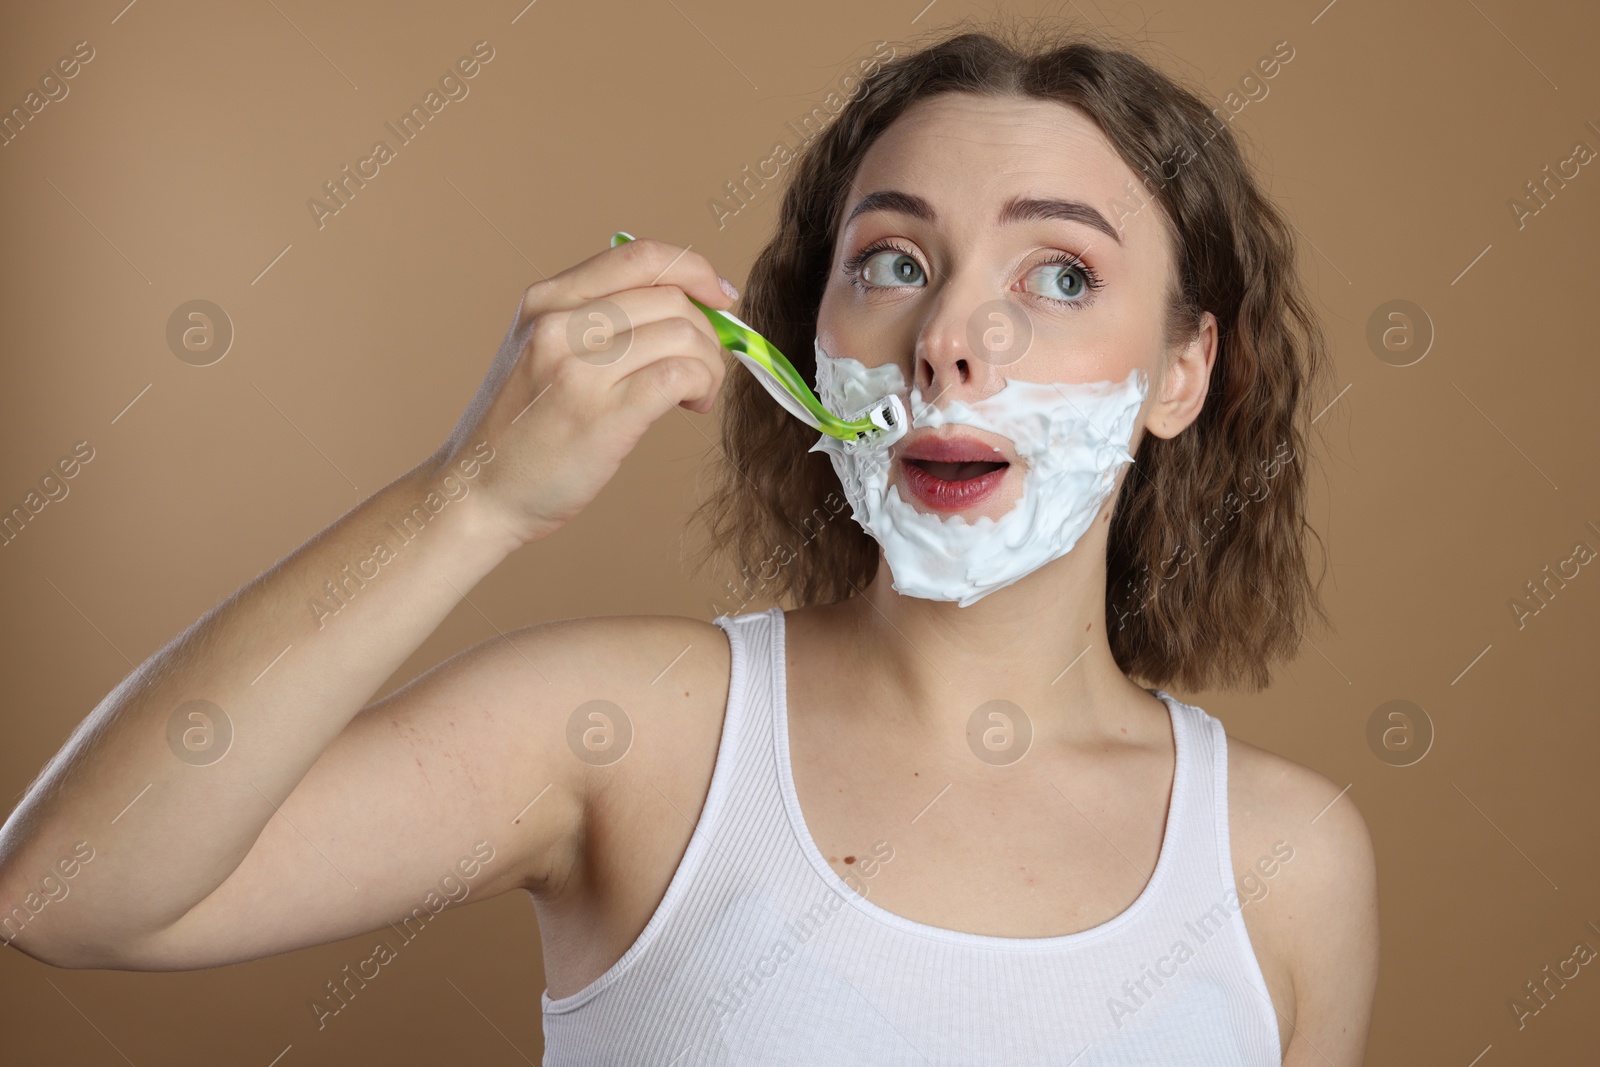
(1185, 381)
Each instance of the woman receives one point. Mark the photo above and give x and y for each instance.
(923, 817)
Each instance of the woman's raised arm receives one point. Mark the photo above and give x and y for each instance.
(230, 799)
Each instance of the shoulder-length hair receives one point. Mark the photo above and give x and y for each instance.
(1206, 578)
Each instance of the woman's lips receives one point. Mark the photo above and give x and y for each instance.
(951, 486)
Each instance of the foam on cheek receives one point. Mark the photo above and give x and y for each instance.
(1072, 437)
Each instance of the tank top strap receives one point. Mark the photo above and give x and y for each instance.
(754, 641)
(1199, 836)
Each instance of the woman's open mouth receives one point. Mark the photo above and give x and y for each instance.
(951, 486)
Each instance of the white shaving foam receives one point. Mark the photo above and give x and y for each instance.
(1072, 437)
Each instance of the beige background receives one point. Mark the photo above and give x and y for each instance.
(179, 167)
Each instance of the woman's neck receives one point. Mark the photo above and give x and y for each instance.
(1039, 644)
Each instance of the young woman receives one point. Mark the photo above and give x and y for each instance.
(923, 816)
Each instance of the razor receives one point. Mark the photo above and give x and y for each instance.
(786, 385)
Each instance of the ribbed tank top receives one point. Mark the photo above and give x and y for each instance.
(760, 953)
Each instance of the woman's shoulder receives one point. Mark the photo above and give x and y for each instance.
(663, 679)
(642, 702)
(621, 646)
(1304, 865)
(1271, 797)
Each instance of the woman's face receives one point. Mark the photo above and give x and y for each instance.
(966, 202)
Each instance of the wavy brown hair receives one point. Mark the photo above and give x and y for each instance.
(1207, 580)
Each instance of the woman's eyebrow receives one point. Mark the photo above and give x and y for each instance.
(1017, 209)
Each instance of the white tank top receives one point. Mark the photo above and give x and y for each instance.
(760, 953)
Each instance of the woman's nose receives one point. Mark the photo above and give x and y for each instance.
(965, 351)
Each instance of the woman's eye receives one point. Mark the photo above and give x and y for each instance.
(1061, 281)
(891, 269)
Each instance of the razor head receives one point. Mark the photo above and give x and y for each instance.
(888, 417)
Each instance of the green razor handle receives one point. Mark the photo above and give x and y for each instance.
(786, 385)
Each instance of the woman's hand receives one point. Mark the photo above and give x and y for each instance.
(595, 355)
